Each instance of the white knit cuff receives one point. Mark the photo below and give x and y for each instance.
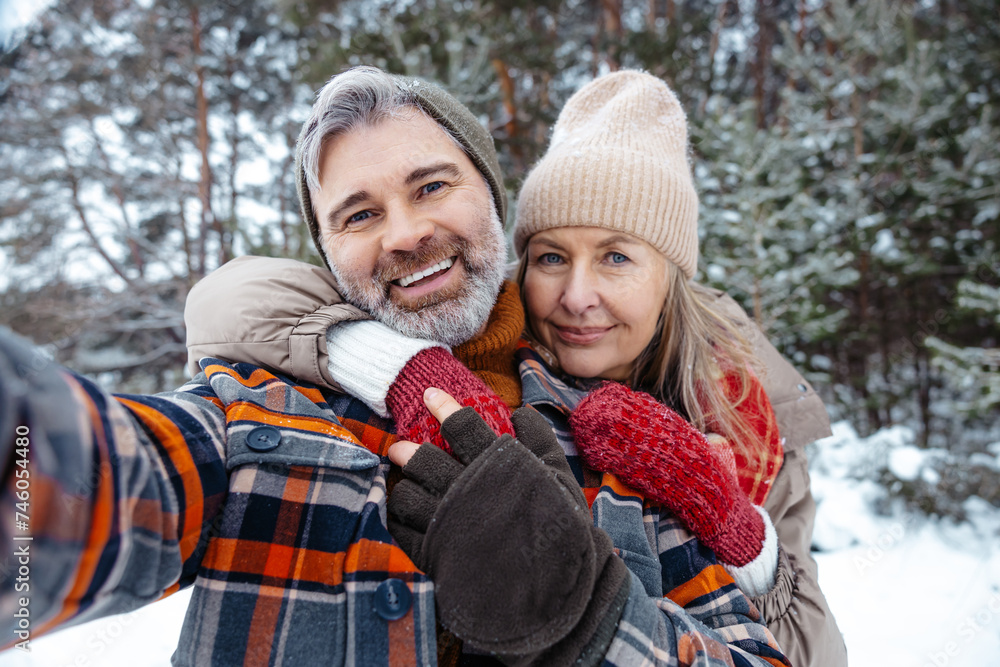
(365, 357)
(757, 577)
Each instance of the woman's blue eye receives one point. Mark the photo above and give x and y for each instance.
(431, 187)
(548, 258)
(618, 258)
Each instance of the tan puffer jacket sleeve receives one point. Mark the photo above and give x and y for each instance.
(267, 311)
(796, 610)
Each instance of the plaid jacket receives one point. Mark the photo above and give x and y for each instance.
(683, 607)
(268, 495)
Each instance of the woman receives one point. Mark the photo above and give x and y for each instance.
(604, 273)
(606, 232)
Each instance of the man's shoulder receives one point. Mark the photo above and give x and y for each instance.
(265, 310)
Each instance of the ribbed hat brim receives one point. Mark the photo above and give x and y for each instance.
(635, 192)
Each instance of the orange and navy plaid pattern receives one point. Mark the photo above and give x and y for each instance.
(138, 496)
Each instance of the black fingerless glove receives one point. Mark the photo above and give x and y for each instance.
(506, 534)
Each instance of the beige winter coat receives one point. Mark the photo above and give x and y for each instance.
(795, 609)
(275, 313)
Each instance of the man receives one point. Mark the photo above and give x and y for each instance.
(269, 494)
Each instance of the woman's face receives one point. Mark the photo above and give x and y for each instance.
(594, 297)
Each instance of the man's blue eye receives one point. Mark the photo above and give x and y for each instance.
(361, 215)
(431, 187)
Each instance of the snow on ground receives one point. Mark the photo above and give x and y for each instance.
(143, 638)
(907, 591)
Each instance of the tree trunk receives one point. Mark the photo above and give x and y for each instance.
(510, 108)
(764, 43)
(859, 131)
(720, 19)
(758, 306)
(884, 346)
(226, 231)
(614, 31)
(800, 34)
(288, 168)
(921, 366)
(205, 182)
(864, 331)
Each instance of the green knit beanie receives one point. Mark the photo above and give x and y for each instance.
(453, 116)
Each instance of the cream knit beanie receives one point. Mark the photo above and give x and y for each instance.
(617, 160)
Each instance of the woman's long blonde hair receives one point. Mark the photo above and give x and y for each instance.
(692, 349)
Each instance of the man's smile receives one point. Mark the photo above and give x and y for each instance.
(424, 274)
(430, 284)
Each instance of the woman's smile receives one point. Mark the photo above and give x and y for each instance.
(581, 335)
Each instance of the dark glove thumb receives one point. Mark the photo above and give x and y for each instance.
(535, 433)
(468, 434)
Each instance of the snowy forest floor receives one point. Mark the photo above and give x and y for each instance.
(907, 590)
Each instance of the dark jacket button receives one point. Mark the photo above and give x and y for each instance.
(263, 438)
(392, 599)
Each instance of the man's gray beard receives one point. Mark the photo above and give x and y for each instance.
(454, 320)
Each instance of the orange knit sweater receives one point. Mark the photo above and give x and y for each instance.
(490, 355)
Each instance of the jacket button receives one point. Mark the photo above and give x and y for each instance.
(803, 388)
(392, 599)
(263, 438)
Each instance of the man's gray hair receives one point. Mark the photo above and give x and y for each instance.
(359, 97)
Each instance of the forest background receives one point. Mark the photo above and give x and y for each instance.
(847, 157)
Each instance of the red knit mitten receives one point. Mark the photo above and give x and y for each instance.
(653, 449)
(436, 367)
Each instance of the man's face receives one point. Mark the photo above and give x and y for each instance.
(410, 229)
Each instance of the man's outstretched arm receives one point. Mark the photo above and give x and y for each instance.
(109, 499)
